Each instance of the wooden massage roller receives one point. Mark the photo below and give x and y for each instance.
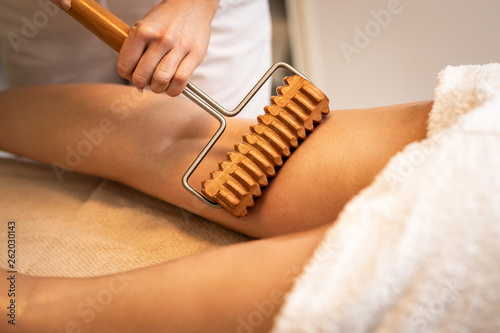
(292, 114)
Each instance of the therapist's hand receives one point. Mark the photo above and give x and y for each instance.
(165, 47)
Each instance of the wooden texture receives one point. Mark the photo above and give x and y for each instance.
(100, 22)
(292, 115)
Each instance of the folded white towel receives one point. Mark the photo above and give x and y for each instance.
(419, 249)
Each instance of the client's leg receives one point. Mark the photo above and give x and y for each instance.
(147, 141)
(235, 288)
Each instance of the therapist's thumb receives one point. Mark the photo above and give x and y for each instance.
(65, 4)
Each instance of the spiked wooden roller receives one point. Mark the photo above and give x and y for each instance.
(293, 113)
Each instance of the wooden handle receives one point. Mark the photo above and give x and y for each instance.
(100, 22)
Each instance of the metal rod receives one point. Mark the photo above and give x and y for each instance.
(217, 111)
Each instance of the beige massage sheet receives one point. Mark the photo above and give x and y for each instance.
(79, 226)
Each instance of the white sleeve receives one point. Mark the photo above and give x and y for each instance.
(238, 55)
(42, 45)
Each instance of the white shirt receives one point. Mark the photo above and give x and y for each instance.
(41, 45)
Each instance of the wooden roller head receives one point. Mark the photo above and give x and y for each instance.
(292, 115)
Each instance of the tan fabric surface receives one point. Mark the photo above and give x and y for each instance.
(87, 226)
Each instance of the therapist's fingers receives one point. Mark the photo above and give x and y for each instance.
(182, 75)
(166, 71)
(176, 67)
(133, 48)
(156, 48)
(144, 49)
(164, 63)
(150, 61)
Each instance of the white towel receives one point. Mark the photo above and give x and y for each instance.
(419, 249)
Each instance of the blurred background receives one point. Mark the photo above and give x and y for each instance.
(379, 52)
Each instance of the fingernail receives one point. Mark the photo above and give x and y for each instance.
(139, 89)
(66, 5)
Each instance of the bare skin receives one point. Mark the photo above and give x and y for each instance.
(147, 143)
(165, 47)
(216, 291)
(150, 143)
